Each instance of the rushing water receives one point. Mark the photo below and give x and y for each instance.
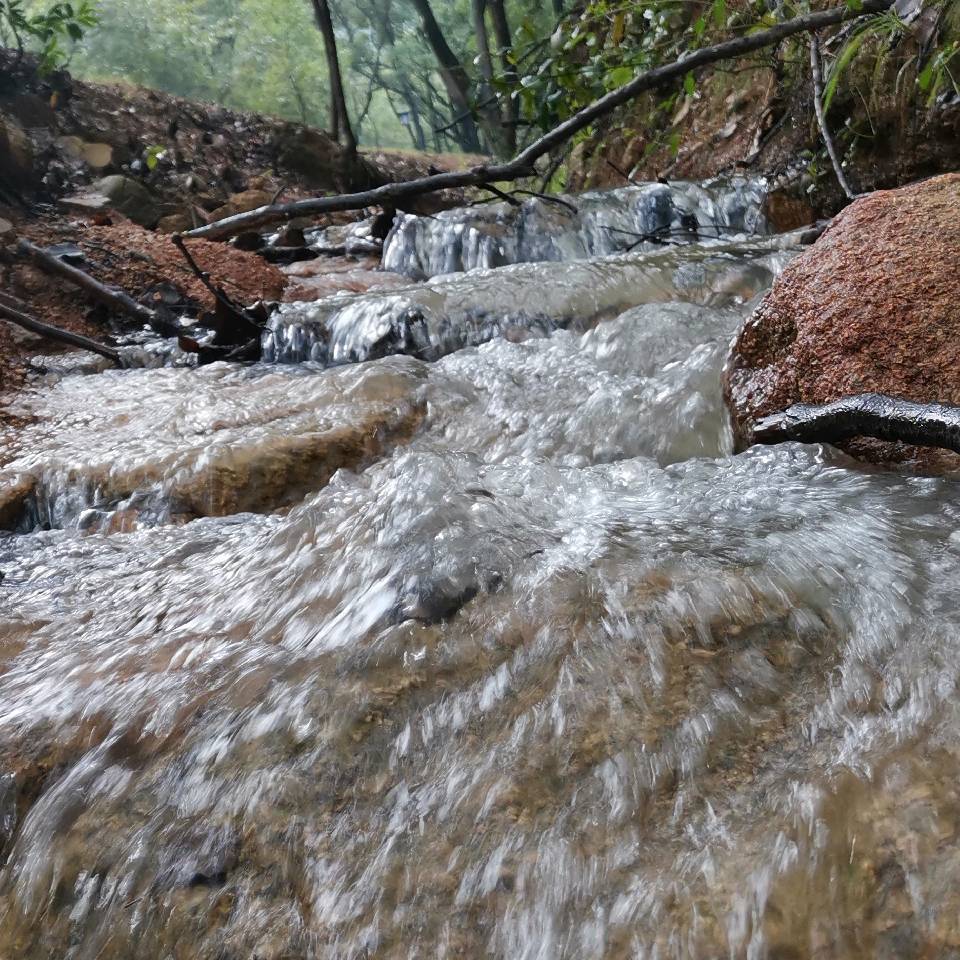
(541, 671)
(573, 228)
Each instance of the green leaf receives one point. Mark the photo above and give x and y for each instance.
(619, 76)
(689, 84)
(720, 13)
(847, 54)
(153, 156)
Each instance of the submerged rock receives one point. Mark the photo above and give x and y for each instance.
(182, 444)
(14, 492)
(870, 308)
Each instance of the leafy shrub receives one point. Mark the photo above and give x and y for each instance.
(46, 30)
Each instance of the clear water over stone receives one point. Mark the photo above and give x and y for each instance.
(574, 228)
(530, 299)
(544, 671)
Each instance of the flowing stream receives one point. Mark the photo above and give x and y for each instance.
(484, 646)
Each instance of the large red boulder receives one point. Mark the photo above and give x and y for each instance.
(872, 306)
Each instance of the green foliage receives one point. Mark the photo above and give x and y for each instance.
(606, 43)
(939, 73)
(154, 155)
(931, 37)
(603, 44)
(48, 29)
(886, 27)
(267, 56)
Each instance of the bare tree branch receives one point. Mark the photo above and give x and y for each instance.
(817, 71)
(24, 320)
(115, 299)
(523, 163)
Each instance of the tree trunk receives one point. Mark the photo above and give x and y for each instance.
(479, 9)
(339, 117)
(416, 128)
(501, 32)
(454, 76)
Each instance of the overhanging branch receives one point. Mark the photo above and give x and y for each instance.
(816, 71)
(523, 164)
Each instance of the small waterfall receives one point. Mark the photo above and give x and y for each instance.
(574, 228)
(519, 301)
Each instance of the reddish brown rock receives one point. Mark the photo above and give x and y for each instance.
(326, 276)
(872, 306)
(786, 212)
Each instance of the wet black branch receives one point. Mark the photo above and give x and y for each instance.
(864, 415)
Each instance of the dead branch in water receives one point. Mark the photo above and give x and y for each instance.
(13, 315)
(864, 415)
(523, 164)
(235, 327)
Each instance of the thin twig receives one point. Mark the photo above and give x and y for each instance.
(816, 70)
(547, 198)
(513, 201)
(237, 312)
(616, 169)
(551, 170)
(202, 275)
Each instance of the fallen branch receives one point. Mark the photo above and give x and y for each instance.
(864, 415)
(218, 293)
(24, 320)
(234, 325)
(115, 299)
(523, 164)
(817, 71)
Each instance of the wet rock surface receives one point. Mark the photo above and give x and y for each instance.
(326, 276)
(177, 444)
(14, 494)
(870, 308)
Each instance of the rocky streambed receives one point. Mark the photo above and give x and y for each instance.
(459, 629)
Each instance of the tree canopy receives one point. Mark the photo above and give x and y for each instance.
(473, 75)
